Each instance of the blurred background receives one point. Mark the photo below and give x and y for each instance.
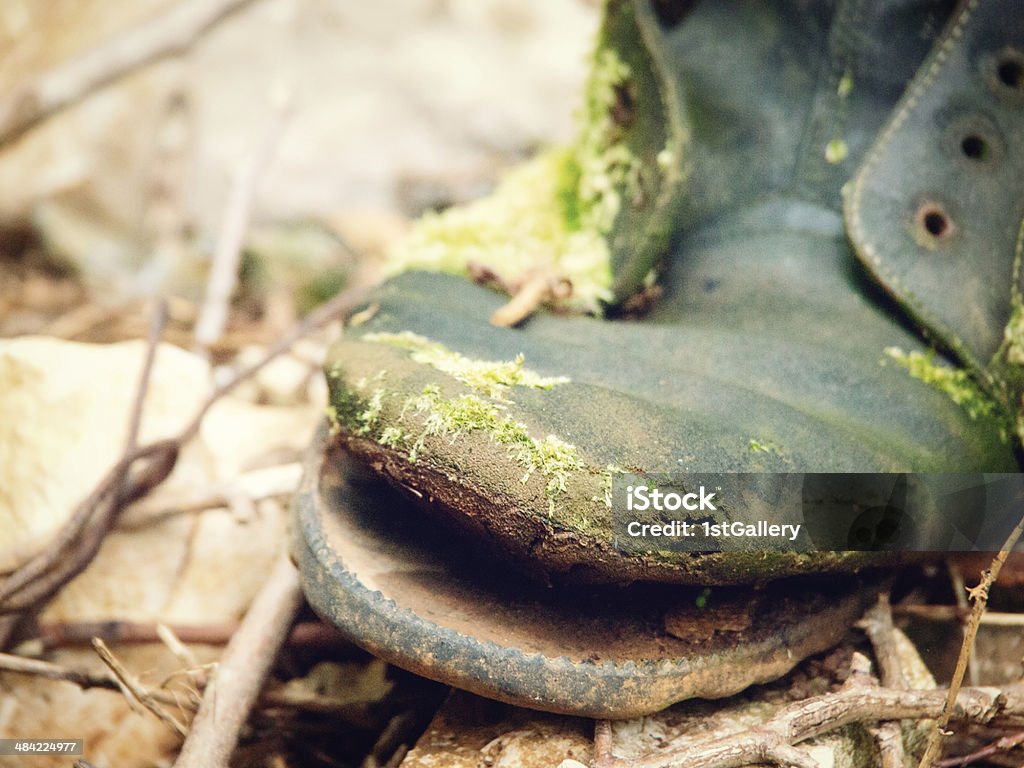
(356, 116)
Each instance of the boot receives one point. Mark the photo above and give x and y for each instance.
(822, 205)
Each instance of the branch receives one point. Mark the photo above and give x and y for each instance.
(308, 634)
(171, 33)
(235, 686)
(979, 599)
(1004, 744)
(877, 625)
(821, 714)
(224, 269)
(47, 572)
(134, 689)
(87, 680)
(41, 578)
(955, 613)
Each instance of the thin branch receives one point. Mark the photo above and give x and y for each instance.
(43, 576)
(603, 756)
(135, 689)
(822, 714)
(171, 33)
(86, 680)
(955, 613)
(1004, 744)
(227, 256)
(877, 624)
(48, 571)
(979, 599)
(178, 649)
(235, 685)
(331, 310)
(956, 578)
(307, 634)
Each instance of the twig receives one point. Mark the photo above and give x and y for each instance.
(36, 668)
(603, 744)
(44, 574)
(156, 329)
(168, 34)
(135, 688)
(253, 486)
(86, 680)
(327, 312)
(528, 296)
(19, 594)
(979, 599)
(877, 624)
(955, 613)
(956, 577)
(178, 649)
(390, 743)
(822, 714)
(308, 634)
(224, 268)
(236, 684)
(1004, 744)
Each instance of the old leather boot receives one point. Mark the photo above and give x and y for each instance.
(839, 188)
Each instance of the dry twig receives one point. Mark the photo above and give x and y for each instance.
(979, 599)
(877, 624)
(603, 744)
(1004, 744)
(956, 578)
(134, 690)
(86, 680)
(75, 546)
(235, 685)
(955, 613)
(308, 634)
(79, 540)
(223, 277)
(170, 33)
(772, 740)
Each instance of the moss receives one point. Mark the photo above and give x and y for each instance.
(393, 437)
(956, 383)
(764, 446)
(845, 86)
(836, 151)
(492, 378)
(345, 407)
(1013, 334)
(333, 420)
(368, 417)
(551, 215)
(701, 601)
(607, 478)
(550, 456)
